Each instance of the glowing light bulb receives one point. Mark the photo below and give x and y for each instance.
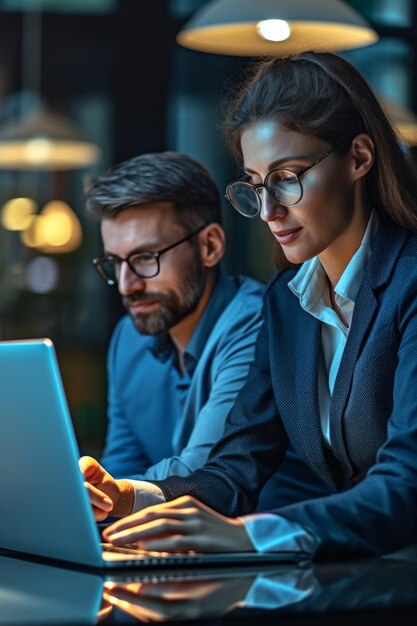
(274, 30)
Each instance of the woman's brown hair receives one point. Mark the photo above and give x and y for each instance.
(323, 95)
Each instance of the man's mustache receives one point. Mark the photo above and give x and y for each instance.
(141, 297)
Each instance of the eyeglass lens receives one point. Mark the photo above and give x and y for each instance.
(143, 264)
(283, 185)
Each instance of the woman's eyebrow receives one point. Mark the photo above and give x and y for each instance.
(278, 162)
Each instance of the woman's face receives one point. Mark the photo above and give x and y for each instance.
(324, 222)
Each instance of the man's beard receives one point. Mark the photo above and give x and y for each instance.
(174, 306)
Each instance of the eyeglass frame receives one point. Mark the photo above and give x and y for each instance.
(157, 255)
(257, 186)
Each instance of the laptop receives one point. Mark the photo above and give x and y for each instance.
(45, 509)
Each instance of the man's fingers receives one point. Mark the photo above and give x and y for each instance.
(89, 466)
(98, 499)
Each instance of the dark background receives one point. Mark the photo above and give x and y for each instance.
(114, 67)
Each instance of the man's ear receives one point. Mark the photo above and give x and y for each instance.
(363, 155)
(212, 245)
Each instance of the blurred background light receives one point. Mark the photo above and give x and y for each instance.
(17, 213)
(38, 138)
(55, 230)
(42, 275)
(45, 140)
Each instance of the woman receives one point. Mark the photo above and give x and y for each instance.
(335, 372)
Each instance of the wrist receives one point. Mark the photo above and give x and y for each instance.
(126, 499)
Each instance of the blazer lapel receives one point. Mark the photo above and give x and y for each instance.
(365, 308)
(307, 427)
(388, 245)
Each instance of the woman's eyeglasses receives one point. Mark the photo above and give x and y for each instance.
(283, 185)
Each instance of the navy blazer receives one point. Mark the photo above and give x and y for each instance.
(372, 468)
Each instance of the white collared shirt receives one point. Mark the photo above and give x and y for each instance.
(311, 286)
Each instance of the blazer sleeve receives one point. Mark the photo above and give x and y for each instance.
(251, 449)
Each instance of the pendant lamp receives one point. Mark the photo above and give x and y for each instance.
(275, 27)
(40, 139)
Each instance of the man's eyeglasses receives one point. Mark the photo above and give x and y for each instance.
(283, 185)
(143, 264)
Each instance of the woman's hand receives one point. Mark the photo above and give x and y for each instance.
(182, 525)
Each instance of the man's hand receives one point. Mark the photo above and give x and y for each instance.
(107, 495)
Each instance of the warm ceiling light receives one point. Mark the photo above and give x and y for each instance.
(33, 235)
(17, 213)
(231, 27)
(273, 30)
(44, 140)
(39, 139)
(55, 230)
(61, 227)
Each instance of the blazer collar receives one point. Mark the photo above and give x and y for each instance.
(388, 245)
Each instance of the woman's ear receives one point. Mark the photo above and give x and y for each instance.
(363, 153)
(212, 245)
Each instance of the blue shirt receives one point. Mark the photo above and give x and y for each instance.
(160, 421)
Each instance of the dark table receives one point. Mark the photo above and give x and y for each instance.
(376, 591)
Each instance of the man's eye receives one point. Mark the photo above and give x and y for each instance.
(143, 258)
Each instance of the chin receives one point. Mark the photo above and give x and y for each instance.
(297, 259)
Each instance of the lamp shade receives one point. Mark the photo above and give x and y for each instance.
(45, 140)
(232, 27)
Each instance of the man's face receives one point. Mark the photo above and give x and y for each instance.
(160, 303)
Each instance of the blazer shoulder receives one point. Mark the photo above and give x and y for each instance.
(282, 277)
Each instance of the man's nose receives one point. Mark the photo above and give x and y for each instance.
(271, 209)
(128, 281)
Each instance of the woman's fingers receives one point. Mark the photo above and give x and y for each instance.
(155, 529)
(181, 525)
(177, 509)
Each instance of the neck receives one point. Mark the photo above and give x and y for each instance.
(182, 332)
(336, 257)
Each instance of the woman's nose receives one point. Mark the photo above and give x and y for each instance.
(270, 207)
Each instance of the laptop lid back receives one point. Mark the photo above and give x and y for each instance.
(44, 505)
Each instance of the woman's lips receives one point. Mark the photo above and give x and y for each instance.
(286, 236)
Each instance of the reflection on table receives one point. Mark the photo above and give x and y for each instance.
(35, 593)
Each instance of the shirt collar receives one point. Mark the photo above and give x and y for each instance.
(310, 284)
(223, 292)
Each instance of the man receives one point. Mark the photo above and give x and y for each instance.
(178, 359)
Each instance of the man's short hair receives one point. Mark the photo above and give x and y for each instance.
(157, 177)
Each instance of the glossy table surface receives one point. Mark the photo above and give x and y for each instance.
(369, 591)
